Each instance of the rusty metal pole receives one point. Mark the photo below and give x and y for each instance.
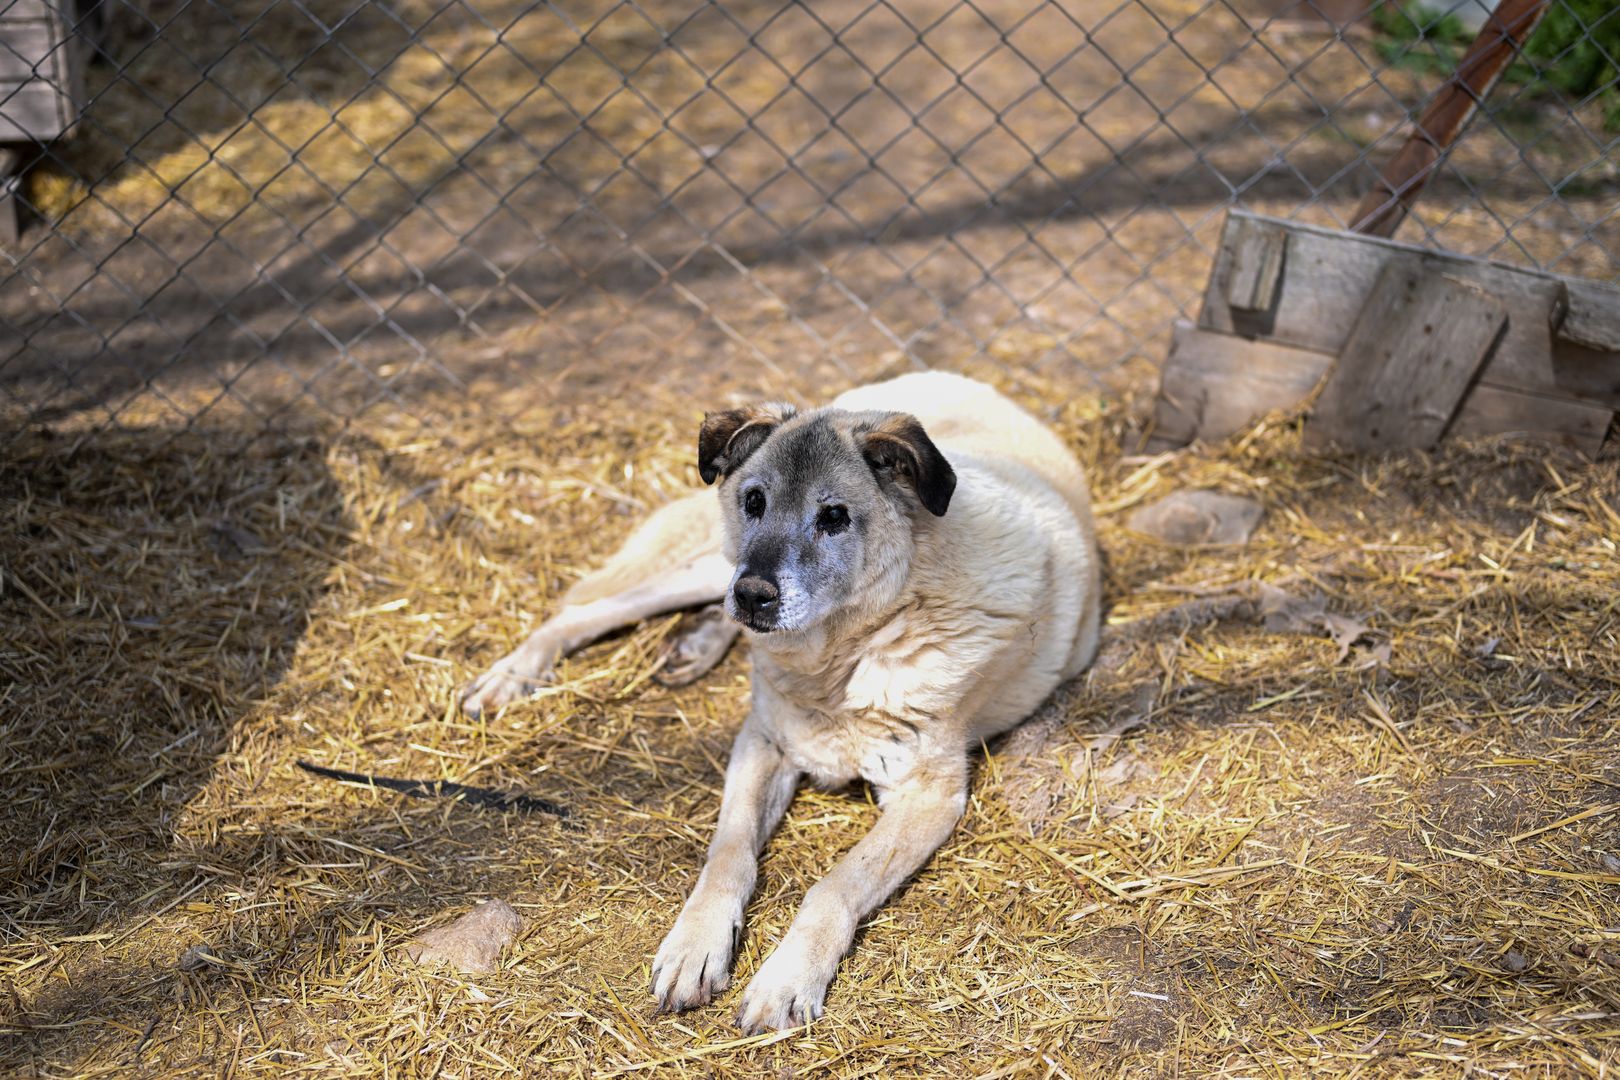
(1448, 112)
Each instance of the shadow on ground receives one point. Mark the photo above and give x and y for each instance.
(154, 587)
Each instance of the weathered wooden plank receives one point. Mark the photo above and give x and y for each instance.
(32, 112)
(9, 228)
(1257, 252)
(28, 50)
(1330, 274)
(1492, 410)
(41, 75)
(1417, 346)
(1593, 317)
(11, 10)
(1214, 384)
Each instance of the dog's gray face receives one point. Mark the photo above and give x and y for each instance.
(817, 508)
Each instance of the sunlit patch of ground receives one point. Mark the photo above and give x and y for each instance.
(1288, 864)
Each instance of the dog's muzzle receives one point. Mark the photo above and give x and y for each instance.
(756, 601)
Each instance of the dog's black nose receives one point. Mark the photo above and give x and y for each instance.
(755, 596)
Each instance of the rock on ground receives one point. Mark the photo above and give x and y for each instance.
(1198, 517)
(472, 943)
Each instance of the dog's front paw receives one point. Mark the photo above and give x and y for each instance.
(500, 686)
(786, 992)
(694, 962)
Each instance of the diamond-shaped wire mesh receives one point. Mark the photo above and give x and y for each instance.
(294, 208)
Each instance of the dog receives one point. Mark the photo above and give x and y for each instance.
(915, 567)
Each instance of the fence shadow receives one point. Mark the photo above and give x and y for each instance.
(156, 585)
(561, 260)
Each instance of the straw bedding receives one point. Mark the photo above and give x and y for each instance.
(1227, 852)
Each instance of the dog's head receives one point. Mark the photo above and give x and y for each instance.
(818, 507)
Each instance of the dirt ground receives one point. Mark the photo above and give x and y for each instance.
(402, 317)
(1230, 852)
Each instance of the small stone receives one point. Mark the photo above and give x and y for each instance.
(232, 541)
(472, 943)
(1198, 517)
(198, 958)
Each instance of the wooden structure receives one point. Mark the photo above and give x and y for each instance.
(1398, 345)
(43, 52)
(1406, 345)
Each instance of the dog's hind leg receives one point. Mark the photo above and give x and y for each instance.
(672, 561)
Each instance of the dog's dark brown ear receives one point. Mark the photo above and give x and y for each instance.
(899, 446)
(727, 439)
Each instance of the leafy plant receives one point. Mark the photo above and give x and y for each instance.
(1577, 50)
(1574, 52)
(1416, 37)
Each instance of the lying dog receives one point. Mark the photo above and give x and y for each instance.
(916, 570)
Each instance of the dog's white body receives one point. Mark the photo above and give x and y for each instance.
(1001, 604)
(996, 604)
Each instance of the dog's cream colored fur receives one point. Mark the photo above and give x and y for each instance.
(999, 605)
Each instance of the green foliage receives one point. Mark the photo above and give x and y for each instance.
(1576, 49)
(1574, 52)
(1413, 36)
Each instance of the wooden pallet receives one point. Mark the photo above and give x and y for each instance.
(45, 46)
(42, 60)
(1405, 346)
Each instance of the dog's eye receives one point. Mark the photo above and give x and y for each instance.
(754, 503)
(832, 519)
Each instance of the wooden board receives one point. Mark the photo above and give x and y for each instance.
(1329, 275)
(1415, 350)
(1258, 250)
(41, 72)
(35, 9)
(1491, 410)
(27, 48)
(9, 160)
(31, 112)
(1215, 385)
(1592, 319)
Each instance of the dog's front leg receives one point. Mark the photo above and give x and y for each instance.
(694, 962)
(525, 669)
(917, 818)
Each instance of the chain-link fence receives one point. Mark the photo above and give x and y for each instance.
(270, 210)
